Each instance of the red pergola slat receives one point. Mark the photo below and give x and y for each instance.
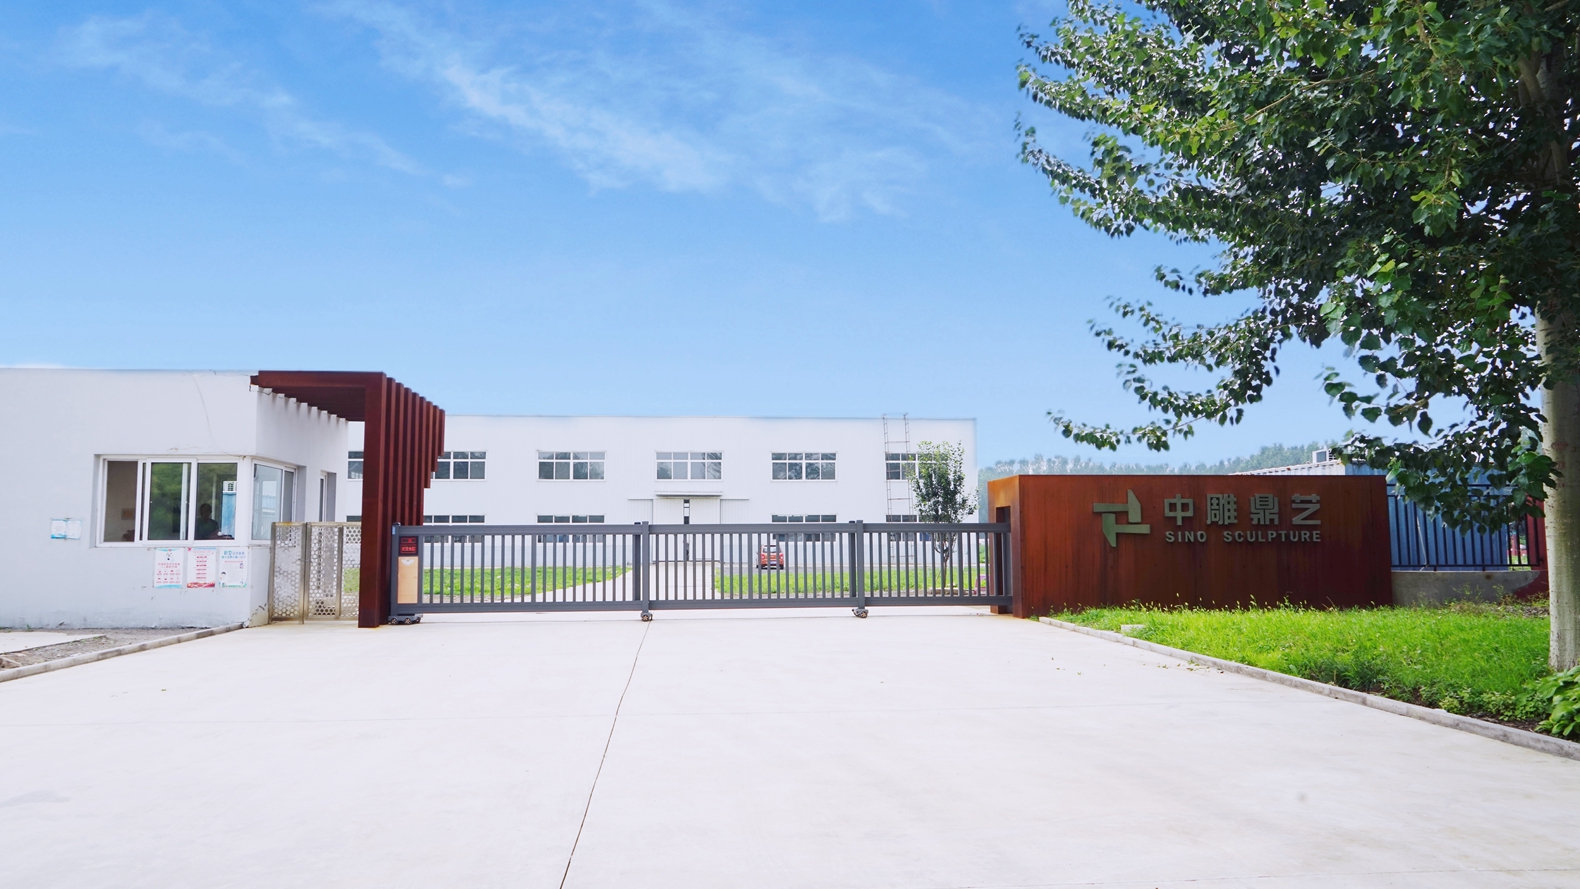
(403, 437)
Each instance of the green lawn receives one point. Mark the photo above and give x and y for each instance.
(445, 583)
(877, 582)
(1477, 660)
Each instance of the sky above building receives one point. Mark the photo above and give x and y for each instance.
(578, 208)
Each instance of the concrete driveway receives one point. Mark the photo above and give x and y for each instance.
(783, 750)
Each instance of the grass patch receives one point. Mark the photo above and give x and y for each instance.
(449, 583)
(876, 581)
(1475, 660)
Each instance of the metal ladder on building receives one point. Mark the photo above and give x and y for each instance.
(897, 440)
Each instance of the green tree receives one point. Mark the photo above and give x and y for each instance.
(941, 494)
(1395, 174)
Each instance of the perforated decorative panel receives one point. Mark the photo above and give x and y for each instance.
(323, 570)
(350, 570)
(285, 572)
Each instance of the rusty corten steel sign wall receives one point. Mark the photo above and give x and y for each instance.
(402, 440)
(1213, 541)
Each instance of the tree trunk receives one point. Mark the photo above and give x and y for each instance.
(1561, 442)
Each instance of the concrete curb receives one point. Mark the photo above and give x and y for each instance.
(90, 657)
(1517, 737)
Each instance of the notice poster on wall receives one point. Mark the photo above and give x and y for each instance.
(202, 564)
(233, 567)
(65, 529)
(169, 568)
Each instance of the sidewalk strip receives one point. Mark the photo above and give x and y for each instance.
(88, 658)
(1517, 737)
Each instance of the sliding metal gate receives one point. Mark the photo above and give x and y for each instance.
(643, 567)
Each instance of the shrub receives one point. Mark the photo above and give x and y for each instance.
(1561, 692)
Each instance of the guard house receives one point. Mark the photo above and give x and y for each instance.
(147, 498)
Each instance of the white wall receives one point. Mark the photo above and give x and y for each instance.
(58, 426)
(630, 491)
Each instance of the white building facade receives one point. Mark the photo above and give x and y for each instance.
(509, 470)
(146, 498)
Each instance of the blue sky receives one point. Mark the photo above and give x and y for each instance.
(606, 208)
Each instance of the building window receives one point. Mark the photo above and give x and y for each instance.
(570, 520)
(575, 465)
(899, 466)
(461, 465)
(899, 536)
(162, 500)
(273, 496)
(353, 518)
(699, 465)
(803, 466)
(803, 537)
(456, 519)
(353, 464)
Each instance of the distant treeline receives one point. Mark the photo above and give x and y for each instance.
(1266, 458)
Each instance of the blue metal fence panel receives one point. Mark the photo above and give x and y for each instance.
(1422, 541)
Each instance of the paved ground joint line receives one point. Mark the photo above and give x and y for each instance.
(607, 741)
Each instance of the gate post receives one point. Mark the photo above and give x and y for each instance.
(394, 569)
(644, 547)
(858, 572)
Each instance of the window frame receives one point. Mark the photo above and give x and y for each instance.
(710, 461)
(905, 463)
(588, 458)
(297, 474)
(788, 536)
(243, 517)
(795, 465)
(590, 519)
(448, 462)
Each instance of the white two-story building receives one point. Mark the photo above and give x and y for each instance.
(505, 470)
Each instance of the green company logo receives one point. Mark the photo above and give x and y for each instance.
(1110, 512)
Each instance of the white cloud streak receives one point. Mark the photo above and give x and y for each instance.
(683, 102)
(155, 133)
(163, 56)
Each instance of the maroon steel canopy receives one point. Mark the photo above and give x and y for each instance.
(401, 445)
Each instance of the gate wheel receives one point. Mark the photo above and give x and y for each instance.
(859, 612)
(646, 615)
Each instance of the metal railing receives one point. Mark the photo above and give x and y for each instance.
(1421, 541)
(644, 567)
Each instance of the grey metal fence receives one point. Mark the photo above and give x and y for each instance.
(1422, 541)
(643, 567)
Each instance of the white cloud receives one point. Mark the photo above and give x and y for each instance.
(154, 133)
(682, 101)
(165, 57)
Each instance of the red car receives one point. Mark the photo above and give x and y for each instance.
(770, 556)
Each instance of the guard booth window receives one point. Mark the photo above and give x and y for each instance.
(168, 500)
(273, 490)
